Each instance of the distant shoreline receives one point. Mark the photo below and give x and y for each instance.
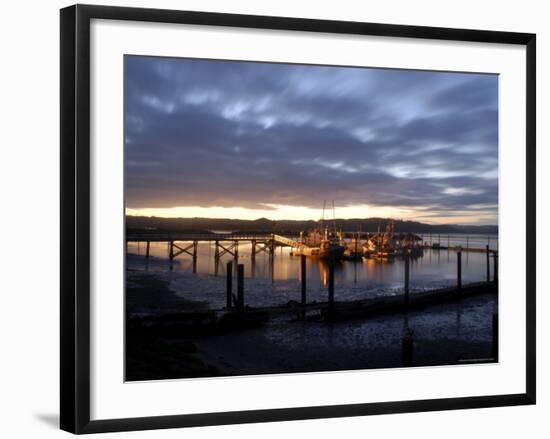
(296, 226)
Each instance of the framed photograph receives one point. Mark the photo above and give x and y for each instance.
(268, 219)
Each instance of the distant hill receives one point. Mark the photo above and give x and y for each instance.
(205, 225)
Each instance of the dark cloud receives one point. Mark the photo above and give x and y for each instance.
(220, 133)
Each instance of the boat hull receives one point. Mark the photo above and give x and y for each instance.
(333, 252)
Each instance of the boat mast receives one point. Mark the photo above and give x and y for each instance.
(334, 218)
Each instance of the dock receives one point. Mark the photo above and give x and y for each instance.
(228, 243)
(225, 243)
(241, 317)
(338, 311)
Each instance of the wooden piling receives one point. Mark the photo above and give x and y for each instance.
(407, 278)
(171, 250)
(488, 263)
(331, 285)
(195, 252)
(302, 314)
(229, 285)
(494, 347)
(407, 347)
(303, 275)
(459, 269)
(272, 259)
(240, 287)
(495, 267)
(147, 249)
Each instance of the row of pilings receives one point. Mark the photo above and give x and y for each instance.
(235, 302)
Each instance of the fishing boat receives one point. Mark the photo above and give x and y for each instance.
(330, 247)
(409, 244)
(321, 242)
(354, 248)
(381, 245)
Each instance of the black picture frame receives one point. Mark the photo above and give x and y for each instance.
(75, 217)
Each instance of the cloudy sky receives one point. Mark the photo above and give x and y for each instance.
(248, 140)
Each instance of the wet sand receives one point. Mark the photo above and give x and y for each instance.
(148, 356)
(453, 333)
(443, 335)
(148, 293)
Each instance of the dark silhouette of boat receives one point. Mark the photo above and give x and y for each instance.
(382, 245)
(321, 242)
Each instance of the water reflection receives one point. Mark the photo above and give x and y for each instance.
(430, 268)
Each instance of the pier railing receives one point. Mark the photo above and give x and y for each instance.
(286, 241)
(465, 241)
(175, 236)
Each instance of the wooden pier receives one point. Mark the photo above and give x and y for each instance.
(224, 243)
(228, 243)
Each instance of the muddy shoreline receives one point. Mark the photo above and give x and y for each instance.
(445, 334)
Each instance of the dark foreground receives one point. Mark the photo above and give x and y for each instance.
(455, 332)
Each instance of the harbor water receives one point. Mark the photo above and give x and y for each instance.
(276, 280)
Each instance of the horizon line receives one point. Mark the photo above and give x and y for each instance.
(314, 220)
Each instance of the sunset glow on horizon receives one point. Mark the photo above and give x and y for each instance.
(303, 213)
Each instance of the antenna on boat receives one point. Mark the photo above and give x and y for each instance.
(334, 217)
